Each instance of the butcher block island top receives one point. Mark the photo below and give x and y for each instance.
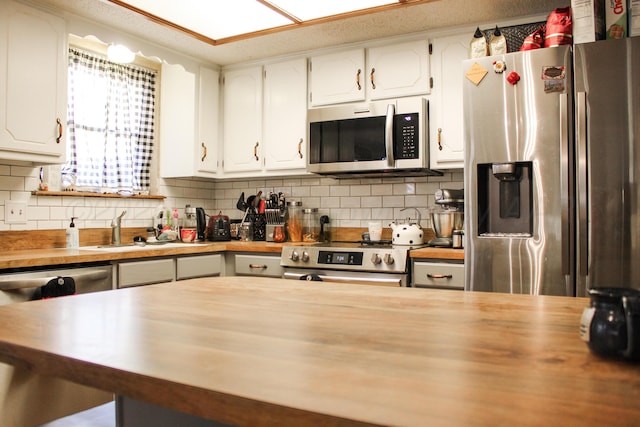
(263, 352)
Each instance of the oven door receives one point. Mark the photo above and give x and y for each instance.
(352, 277)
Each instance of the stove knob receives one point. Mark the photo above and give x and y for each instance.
(294, 256)
(388, 259)
(375, 259)
(305, 256)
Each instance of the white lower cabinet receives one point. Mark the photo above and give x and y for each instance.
(190, 267)
(159, 270)
(257, 265)
(437, 274)
(147, 272)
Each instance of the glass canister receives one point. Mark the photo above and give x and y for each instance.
(294, 221)
(311, 225)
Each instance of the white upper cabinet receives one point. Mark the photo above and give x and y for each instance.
(265, 120)
(33, 85)
(177, 127)
(337, 77)
(390, 71)
(208, 121)
(446, 123)
(188, 122)
(398, 70)
(285, 114)
(242, 109)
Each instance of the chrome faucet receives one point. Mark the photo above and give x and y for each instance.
(116, 225)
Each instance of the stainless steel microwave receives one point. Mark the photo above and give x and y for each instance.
(381, 138)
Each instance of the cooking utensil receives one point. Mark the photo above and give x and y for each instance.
(241, 204)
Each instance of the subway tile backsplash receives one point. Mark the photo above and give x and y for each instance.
(348, 203)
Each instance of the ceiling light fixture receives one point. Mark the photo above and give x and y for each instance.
(120, 54)
(218, 22)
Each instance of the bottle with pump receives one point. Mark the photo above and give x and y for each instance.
(73, 234)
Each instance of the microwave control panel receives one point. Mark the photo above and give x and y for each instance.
(407, 131)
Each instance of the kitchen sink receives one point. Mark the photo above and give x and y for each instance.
(133, 247)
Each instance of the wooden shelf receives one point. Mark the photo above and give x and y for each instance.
(87, 194)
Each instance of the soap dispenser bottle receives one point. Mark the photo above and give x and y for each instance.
(73, 234)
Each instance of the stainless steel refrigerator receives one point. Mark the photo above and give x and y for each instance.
(552, 169)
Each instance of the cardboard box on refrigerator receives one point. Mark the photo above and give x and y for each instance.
(615, 18)
(588, 20)
(634, 17)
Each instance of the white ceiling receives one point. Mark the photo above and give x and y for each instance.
(417, 18)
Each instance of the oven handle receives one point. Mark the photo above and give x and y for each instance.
(388, 134)
(395, 282)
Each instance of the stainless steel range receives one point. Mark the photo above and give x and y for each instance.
(369, 263)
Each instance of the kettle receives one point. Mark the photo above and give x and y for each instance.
(407, 233)
(611, 324)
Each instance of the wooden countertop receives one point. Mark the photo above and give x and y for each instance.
(26, 258)
(274, 352)
(58, 256)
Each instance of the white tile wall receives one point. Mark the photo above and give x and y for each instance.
(349, 203)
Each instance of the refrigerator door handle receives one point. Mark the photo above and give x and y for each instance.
(582, 183)
(388, 134)
(564, 182)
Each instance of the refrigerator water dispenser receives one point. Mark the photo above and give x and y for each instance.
(505, 199)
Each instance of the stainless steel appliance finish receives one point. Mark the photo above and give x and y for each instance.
(381, 138)
(607, 88)
(545, 214)
(374, 264)
(27, 399)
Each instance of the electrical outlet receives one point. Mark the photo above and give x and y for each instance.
(15, 212)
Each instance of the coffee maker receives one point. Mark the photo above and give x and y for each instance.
(448, 217)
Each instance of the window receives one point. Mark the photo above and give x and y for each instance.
(110, 125)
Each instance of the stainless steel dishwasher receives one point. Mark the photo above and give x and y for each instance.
(28, 399)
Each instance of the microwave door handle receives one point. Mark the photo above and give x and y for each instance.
(388, 134)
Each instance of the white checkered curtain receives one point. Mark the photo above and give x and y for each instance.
(110, 122)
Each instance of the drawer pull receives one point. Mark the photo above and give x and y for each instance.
(258, 266)
(440, 276)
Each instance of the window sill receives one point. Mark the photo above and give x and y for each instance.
(87, 194)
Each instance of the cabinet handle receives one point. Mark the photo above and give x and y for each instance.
(300, 148)
(373, 84)
(440, 139)
(59, 130)
(358, 79)
(259, 266)
(255, 151)
(440, 276)
(204, 152)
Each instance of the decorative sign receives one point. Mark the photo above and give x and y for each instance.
(476, 73)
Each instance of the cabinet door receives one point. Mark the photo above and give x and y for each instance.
(285, 114)
(208, 120)
(337, 77)
(398, 70)
(138, 273)
(258, 265)
(189, 267)
(446, 122)
(33, 90)
(438, 275)
(243, 120)
(177, 121)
